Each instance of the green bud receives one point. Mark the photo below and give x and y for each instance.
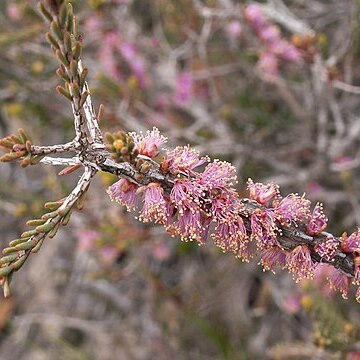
(36, 159)
(44, 11)
(66, 218)
(77, 50)
(61, 57)
(25, 246)
(63, 92)
(84, 96)
(6, 288)
(28, 233)
(74, 89)
(56, 31)
(6, 143)
(70, 19)
(35, 222)
(19, 263)
(7, 259)
(74, 68)
(45, 228)
(83, 76)
(5, 271)
(63, 13)
(38, 245)
(18, 241)
(53, 232)
(50, 215)
(52, 41)
(67, 42)
(22, 135)
(8, 250)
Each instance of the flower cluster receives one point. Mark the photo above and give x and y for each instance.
(203, 203)
(275, 47)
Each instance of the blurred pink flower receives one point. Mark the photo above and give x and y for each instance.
(292, 304)
(13, 12)
(108, 61)
(93, 25)
(234, 29)
(286, 51)
(268, 63)
(270, 34)
(184, 89)
(161, 251)
(86, 239)
(127, 50)
(255, 16)
(108, 254)
(137, 65)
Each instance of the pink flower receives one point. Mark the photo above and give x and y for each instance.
(218, 175)
(154, 208)
(230, 235)
(272, 258)
(184, 88)
(191, 226)
(299, 263)
(262, 193)
(149, 143)
(223, 205)
(183, 159)
(234, 28)
(317, 222)
(124, 193)
(327, 249)
(254, 15)
(263, 228)
(185, 195)
(293, 208)
(352, 243)
(268, 63)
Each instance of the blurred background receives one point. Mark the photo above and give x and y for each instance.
(269, 86)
